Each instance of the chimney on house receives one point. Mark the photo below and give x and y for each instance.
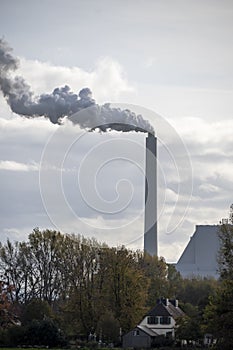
(174, 302)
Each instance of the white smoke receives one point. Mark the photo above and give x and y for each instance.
(62, 102)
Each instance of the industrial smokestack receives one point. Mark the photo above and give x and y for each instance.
(150, 219)
(62, 102)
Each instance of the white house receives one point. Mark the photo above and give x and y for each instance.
(161, 320)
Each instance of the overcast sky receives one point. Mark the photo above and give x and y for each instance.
(171, 61)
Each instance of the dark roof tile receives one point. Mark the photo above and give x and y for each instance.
(163, 310)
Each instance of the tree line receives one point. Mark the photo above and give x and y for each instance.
(86, 289)
(81, 279)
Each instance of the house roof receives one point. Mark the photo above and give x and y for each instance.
(147, 330)
(162, 309)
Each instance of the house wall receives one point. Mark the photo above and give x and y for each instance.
(161, 329)
(142, 340)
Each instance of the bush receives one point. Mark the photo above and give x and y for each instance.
(3, 337)
(162, 341)
(44, 333)
(41, 333)
(15, 336)
(36, 310)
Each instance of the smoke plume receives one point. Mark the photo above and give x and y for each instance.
(62, 102)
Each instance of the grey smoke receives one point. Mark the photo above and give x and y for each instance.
(62, 102)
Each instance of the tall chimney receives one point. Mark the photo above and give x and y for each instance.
(150, 218)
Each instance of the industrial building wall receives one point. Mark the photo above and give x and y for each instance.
(200, 256)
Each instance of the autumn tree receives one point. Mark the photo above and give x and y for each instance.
(108, 328)
(189, 327)
(82, 280)
(174, 280)
(155, 269)
(7, 316)
(45, 249)
(79, 269)
(11, 268)
(225, 256)
(196, 290)
(219, 311)
(219, 315)
(110, 281)
(125, 284)
(33, 267)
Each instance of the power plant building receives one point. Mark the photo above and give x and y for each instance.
(201, 254)
(200, 257)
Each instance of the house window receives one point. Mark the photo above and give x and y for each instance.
(136, 332)
(165, 320)
(152, 320)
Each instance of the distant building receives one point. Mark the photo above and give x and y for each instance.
(159, 321)
(200, 256)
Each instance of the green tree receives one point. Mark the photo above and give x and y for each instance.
(155, 269)
(175, 281)
(219, 311)
(225, 256)
(80, 268)
(189, 326)
(108, 328)
(36, 310)
(196, 291)
(123, 285)
(105, 279)
(45, 248)
(219, 315)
